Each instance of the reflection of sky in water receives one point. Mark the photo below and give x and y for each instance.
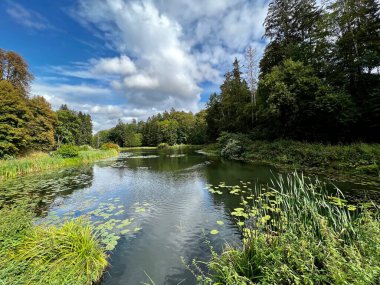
(155, 205)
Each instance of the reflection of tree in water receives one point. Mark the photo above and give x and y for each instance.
(42, 190)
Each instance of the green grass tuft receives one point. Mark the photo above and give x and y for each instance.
(69, 254)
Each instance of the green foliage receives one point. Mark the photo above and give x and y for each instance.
(298, 105)
(319, 77)
(67, 151)
(73, 127)
(85, 147)
(296, 233)
(108, 146)
(26, 124)
(162, 146)
(70, 254)
(41, 127)
(232, 150)
(232, 146)
(14, 117)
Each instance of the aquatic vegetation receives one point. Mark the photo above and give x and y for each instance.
(40, 254)
(214, 232)
(220, 223)
(14, 167)
(295, 232)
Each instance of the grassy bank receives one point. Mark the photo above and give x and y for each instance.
(352, 159)
(43, 161)
(38, 254)
(296, 233)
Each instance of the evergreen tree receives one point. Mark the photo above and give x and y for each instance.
(213, 117)
(85, 129)
(235, 101)
(291, 26)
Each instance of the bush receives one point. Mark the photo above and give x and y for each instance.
(233, 150)
(67, 151)
(85, 147)
(163, 146)
(109, 145)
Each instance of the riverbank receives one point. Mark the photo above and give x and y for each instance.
(296, 233)
(354, 162)
(41, 254)
(161, 146)
(42, 161)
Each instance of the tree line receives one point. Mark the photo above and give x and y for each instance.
(319, 77)
(28, 123)
(174, 127)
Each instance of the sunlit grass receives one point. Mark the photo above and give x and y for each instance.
(296, 233)
(67, 254)
(42, 161)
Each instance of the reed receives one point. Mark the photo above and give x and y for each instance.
(43, 161)
(296, 233)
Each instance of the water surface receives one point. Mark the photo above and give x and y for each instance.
(153, 207)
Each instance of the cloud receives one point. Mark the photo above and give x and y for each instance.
(28, 18)
(117, 65)
(163, 53)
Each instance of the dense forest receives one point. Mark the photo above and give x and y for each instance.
(319, 76)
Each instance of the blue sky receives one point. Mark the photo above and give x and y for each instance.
(130, 58)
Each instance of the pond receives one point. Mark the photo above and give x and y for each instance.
(155, 210)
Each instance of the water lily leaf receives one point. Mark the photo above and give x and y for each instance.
(220, 223)
(214, 232)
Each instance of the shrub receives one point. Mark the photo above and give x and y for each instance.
(233, 150)
(85, 147)
(233, 145)
(67, 151)
(109, 145)
(163, 146)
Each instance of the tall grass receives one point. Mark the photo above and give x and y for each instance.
(42, 161)
(297, 234)
(70, 254)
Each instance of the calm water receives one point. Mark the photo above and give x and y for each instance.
(155, 203)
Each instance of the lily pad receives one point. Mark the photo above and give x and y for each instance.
(214, 232)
